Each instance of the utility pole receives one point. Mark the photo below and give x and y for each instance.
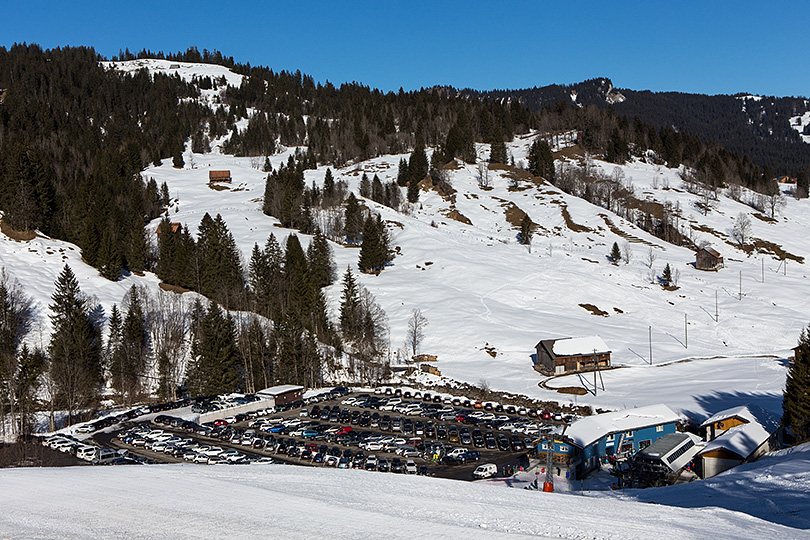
(650, 337)
(740, 285)
(763, 269)
(685, 332)
(716, 313)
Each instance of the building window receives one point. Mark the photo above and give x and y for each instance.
(563, 449)
(628, 435)
(659, 428)
(610, 438)
(643, 444)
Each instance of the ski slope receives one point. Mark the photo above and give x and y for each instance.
(278, 501)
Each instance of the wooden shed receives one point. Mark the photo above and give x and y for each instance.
(427, 368)
(708, 259)
(569, 355)
(219, 176)
(176, 228)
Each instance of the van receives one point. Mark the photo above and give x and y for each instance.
(87, 453)
(487, 470)
(105, 455)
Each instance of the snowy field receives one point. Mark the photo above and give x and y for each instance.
(484, 294)
(277, 501)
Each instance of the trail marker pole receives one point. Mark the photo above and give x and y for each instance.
(740, 285)
(716, 312)
(650, 337)
(685, 332)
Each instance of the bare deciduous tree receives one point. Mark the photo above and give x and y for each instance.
(651, 256)
(416, 330)
(741, 231)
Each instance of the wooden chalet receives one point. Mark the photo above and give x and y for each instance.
(219, 176)
(708, 259)
(425, 358)
(738, 435)
(570, 355)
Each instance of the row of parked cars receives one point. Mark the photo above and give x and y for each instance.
(98, 455)
(160, 441)
(456, 401)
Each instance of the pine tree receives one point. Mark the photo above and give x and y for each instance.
(319, 258)
(114, 352)
(216, 367)
(403, 174)
(541, 160)
(377, 190)
(298, 283)
(177, 159)
(369, 259)
(526, 227)
(365, 187)
(350, 307)
(353, 220)
(74, 347)
(616, 254)
(418, 164)
(666, 276)
(497, 152)
(413, 191)
(796, 397)
(134, 347)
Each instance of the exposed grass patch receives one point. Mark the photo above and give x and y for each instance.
(594, 310)
(14, 234)
(573, 390)
(570, 223)
(455, 215)
(624, 234)
(173, 288)
(219, 187)
(764, 246)
(763, 217)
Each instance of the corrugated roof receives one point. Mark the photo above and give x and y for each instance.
(590, 429)
(281, 389)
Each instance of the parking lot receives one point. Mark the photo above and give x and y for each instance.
(406, 433)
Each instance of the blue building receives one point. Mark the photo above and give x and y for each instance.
(590, 441)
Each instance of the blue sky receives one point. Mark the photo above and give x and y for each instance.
(710, 46)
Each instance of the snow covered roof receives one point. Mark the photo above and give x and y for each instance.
(750, 413)
(742, 440)
(580, 345)
(590, 429)
(281, 389)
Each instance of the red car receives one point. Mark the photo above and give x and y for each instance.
(344, 429)
(220, 422)
(545, 415)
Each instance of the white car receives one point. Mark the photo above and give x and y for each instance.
(485, 470)
(372, 446)
(410, 467)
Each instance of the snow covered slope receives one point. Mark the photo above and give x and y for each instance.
(277, 501)
(489, 300)
(775, 488)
